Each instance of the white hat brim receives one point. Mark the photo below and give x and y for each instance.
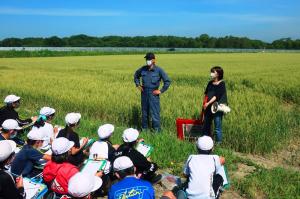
(71, 144)
(97, 184)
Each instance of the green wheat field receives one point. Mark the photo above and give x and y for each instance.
(263, 91)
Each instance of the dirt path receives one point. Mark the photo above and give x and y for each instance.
(288, 158)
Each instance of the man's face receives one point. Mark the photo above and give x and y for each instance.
(149, 62)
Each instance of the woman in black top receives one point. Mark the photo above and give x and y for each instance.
(215, 92)
(72, 122)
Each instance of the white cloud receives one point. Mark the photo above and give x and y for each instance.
(248, 17)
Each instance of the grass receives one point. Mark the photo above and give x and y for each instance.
(263, 92)
(277, 183)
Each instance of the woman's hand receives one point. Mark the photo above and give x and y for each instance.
(205, 105)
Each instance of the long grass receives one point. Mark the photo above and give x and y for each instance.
(263, 92)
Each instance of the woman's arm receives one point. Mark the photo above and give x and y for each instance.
(212, 100)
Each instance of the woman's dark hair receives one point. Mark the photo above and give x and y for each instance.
(60, 158)
(126, 172)
(219, 70)
(31, 142)
(69, 130)
(204, 152)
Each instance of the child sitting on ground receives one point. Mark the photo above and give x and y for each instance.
(144, 168)
(43, 124)
(29, 156)
(129, 185)
(72, 122)
(104, 132)
(58, 171)
(202, 172)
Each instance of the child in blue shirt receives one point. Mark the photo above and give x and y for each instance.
(129, 185)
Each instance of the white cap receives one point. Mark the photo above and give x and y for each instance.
(205, 143)
(105, 131)
(130, 135)
(36, 134)
(11, 98)
(72, 118)
(82, 184)
(10, 124)
(47, 111)
(122, 163)
(61, 145)
(7, 147)
(99, 148)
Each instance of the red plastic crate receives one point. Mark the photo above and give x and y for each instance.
(188, 129)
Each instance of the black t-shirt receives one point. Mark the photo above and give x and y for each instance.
(139, 161)
(8, 187)
(217, 90)
(111, 151)
(7, 112)
(68, 133)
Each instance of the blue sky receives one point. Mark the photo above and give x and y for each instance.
(258, 19)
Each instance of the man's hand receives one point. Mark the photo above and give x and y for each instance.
(140, 88)
(156, 92)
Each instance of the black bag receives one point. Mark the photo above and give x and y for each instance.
(217, 182)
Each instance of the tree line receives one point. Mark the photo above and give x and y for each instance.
(202, 41)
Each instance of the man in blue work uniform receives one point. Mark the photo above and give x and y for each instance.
(151, 77)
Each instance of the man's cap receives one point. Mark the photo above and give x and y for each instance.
(11, 98)
(122, 163)
(11, 124)
(82, 184)
(72, 118)
(47, 111)
(149, 56)
(36, 134)
(105, 131)
(205, 143)
(61, 145)
(130, 135)
(7, 147)
(100, 149)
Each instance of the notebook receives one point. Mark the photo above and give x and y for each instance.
(224, 174)
(34, 189)
(144, 149)
(93, 166)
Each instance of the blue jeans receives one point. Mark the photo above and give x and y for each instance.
(150, 108)
(218, 126)
(217, 117)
